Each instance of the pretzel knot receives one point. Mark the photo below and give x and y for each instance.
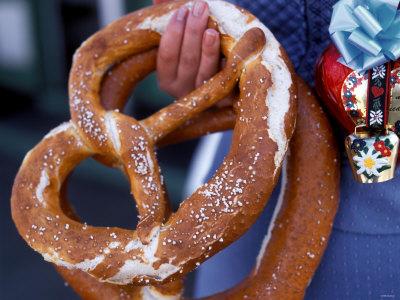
(164, 246)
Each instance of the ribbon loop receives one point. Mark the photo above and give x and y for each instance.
(367, 21)
(366, 32)
(364, 43)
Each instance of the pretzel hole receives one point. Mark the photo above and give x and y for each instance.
(99, 196)
(104, 199)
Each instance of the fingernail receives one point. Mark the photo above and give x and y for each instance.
(211, 36)
(198, 8)
(181, 15)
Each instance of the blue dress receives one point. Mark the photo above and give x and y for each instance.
(362, 260)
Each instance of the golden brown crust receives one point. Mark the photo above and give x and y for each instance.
(303, 225)
(163, 248)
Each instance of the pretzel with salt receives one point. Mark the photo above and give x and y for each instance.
(161, 249)
(298, 234)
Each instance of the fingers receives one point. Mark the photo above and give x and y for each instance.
(169, 51)
(192, 45)
(189, 52)
(209, 62)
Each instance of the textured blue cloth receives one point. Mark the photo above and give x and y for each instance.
(300, 26)
(362, 259)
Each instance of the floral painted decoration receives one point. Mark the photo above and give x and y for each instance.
(358, 87)
(358, 145)
(351, 88)
(376, 117)
(378, 92)
(372, 159)
(395, 76)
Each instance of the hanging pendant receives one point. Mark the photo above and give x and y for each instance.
(371, 103)
(372, 157)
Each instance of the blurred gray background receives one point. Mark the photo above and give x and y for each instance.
(37, 40)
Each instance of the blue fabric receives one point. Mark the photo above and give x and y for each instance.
(362, 258)
(368, 208)
(293, 35)
(358, 266)
(300, 26)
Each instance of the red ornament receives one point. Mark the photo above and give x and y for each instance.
(330, 76)
(345, 92)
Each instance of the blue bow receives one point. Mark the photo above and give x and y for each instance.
(366, 32)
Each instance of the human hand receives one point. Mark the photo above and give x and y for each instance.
(189, 52)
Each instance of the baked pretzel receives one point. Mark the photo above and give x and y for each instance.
(218, 212)
(298, 234)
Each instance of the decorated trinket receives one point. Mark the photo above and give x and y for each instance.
(372, 158)
(360, 83)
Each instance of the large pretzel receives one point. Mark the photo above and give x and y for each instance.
(218, 212)
(299, 231)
